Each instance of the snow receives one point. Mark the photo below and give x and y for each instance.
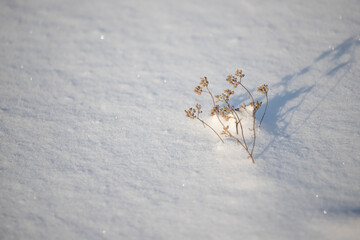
(94, 142)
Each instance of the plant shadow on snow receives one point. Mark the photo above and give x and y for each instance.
(338, 58)
(347, 211)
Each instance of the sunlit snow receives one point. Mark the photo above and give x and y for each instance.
(94, 142)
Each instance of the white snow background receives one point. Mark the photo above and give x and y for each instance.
(94, 142)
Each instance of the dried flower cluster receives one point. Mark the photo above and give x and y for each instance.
(190, 113)
(225, 112)
(263, 89)
(204, 82)
(256, 105)
(198, 90)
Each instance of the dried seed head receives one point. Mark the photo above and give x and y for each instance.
(239, 73)
(225, 112)
(263, 89)
(218, 99)
(204, 82)
(235, 80)
(224, 97)
(214, 110)
(198, 90)
(232, 80)
(256, 105)
(228, 92)
(190, 113)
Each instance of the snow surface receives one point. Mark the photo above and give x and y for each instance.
(94, 142)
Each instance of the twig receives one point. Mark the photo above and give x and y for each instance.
(267, 101)
(210, 128)
(253, 115)
(213, 100)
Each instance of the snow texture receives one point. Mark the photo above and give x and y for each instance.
(94, 142)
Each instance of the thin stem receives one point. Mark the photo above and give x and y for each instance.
(242, 130)
(213, 100)
(236, 117)
(237, 128)
(212, 97)
(227, 131)
(198, 113)
(210, 128)
(267, 101)
(238, 121)
(253, 102)
(238, 141)
(242, 134)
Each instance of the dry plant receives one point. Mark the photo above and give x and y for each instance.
(226, 113)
